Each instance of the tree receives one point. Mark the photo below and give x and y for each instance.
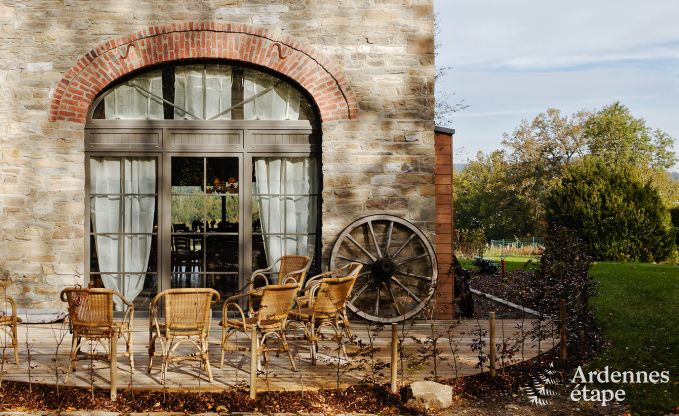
(484, 199)
(615, 212)
(540, 150)
(615, 135)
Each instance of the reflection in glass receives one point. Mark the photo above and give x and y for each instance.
(187, 175)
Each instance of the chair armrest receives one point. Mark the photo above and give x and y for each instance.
(12, 303)
(293, 273)
(225, 311)
(313, 279)
(232, 299)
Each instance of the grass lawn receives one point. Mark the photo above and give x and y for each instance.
(638, 310)
(511, 262)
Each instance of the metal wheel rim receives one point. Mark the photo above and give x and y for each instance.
(417, 235)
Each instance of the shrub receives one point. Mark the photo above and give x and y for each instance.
(470, 242)
(617, 215)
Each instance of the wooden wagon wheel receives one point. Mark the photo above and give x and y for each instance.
(399, 267)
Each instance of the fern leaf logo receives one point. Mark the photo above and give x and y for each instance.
(537, 390)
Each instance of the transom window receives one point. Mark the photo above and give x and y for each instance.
(204, 92)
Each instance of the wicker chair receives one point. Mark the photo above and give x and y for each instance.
(269, 320)
(90, 315)
(350, 269)
(9, 321)
(326, 302)
(186, 319)
(292, 269)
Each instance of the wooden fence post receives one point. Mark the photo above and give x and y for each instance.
(491, 341)
(114, 364)
(253, 362)
(563, 343)
(394, 357)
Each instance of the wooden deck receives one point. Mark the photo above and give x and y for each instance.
(47, 364)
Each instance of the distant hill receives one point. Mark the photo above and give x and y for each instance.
(457, 167)
(675, 175)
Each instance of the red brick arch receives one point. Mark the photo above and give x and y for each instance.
(239, 42)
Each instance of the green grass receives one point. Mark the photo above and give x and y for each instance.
(638, 309)
(511, 262)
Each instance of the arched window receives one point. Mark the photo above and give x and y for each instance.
(199, 173)
(204, 92)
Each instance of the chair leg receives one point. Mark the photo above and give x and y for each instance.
(222, 346)
(15, 343)
(286, 348)
(72, 357)
(313, 343)
(206, 358)
(152, 351)
(128, 342)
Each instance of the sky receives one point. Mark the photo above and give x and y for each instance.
(511, 60)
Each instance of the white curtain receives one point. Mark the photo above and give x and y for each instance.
(126, 102)
(283, 186)
(139, 208)
(189, 91)
(281, 103)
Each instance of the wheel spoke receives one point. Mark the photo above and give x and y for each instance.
(354, 260)
(372, 234)
(410, 292)
(412, 259)
(360, 292)
(389, 232)
(393, 298)
(405, 243)
(417, 276)
(377, 301)
(367, 253)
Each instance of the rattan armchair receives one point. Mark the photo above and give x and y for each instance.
(269, 320)
(90, 315)
(185, 319)
(326, 296)
(350, 269)
(291, 269)
(8, 323)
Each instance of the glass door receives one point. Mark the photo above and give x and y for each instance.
(205, 215)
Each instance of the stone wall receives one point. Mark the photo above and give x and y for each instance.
(381, 161)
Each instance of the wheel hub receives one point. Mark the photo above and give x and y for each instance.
(383, 268)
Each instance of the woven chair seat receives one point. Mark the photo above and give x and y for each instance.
(265, 324)
(306, 313)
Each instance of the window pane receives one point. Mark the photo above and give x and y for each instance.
(218, 83)
(222, 253)
(188, 92)
(188, 212)
(137, 99)
(187, 175)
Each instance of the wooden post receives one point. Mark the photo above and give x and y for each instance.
(502, 262)
(253, 362)
(491, 341)
(114, 364)
(563, 343)
(394, 358)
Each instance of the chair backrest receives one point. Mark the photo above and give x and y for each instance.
(187, 309)
(276, 302)
(332, 294)
(91, 307)
(291, 264)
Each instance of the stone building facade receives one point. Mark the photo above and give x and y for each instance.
(367, 65)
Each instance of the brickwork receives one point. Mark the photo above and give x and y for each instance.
(368, 65)
(443, 144)
(238, 42)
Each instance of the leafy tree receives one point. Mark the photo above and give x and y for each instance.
(540, 150)
(615, 135)
(616, 213)
(484, 199)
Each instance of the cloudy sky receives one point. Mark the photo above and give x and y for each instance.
(513, 59)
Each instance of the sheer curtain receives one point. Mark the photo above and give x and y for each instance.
(281, 103)
(189, 91)
(286, 208)
(139, 209)
(126, 102)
